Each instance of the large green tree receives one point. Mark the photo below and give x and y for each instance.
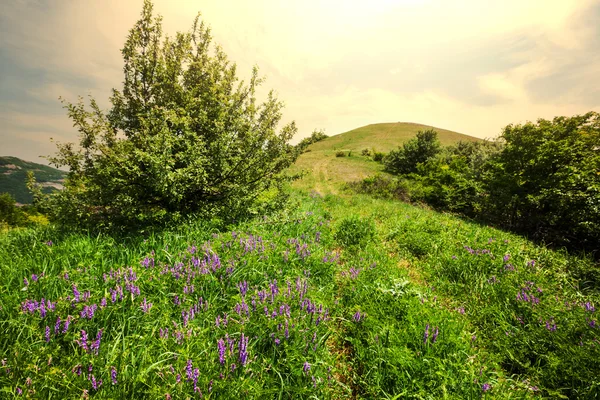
(183, 135)
(546, 180)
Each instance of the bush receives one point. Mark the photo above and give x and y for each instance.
(315, 137)
(340, 153)
(416, 151)
(378, 156)
(366, 152)
(383, 187)
(545, 182)
(10, 214)
(183, 136)
(354, 231)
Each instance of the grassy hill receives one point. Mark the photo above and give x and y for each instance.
(334, 297)
(13, 175)
(328, 172)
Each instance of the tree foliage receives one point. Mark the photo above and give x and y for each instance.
(9, 212)
(416, 151)
(541, 179)
(316, 136)
(546, 181)
(184, 135)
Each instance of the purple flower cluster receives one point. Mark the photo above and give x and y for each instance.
(42, 306)
(145, 306)
(478, 252)
(527, 293)
(88, 311)
(433, 337)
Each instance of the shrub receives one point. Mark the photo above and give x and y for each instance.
(545, 181)
(366, 152)
(354, 231)
(382, 186)
(183, 136)
(340, 153)
(412, 153)
(10, 214)
(315, 137)
(378, 156)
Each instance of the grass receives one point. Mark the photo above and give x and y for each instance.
(337, 296)
(366, 278)
(327, 173)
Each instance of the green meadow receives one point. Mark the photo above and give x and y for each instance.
(336, 296)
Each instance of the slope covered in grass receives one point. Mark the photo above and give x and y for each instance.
(336, 297)
(328, 172)
(384, 137)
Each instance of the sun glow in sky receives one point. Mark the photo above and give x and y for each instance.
(467, 65)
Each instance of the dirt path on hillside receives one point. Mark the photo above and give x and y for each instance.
(322, 178)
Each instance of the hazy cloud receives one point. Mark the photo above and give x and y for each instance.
(465, 65)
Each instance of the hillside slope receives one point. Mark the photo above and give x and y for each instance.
(327, 172)
(13, 176)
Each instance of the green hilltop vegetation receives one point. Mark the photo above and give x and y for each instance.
(384, 137)
(13, 177)
(182, 261)
(329, 173)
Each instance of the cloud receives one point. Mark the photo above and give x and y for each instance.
(466, 65)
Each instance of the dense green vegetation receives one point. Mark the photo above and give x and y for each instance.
(540, 179)
(223, 289)
(364, 298)
(183, 136)
(13, 177)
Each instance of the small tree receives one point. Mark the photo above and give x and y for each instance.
(182, 136)
(10, 214)
(412, 153)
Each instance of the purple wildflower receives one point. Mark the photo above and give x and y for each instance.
(146, 306)
(113, 375)
(25, 282)
(357, 316)
(47, 334)
(243, 287)
(19, 391)
(435, 335)
(66, 325)
(243, 350)
(306, 367)
(485, 387)
(426, 334)
(189, 370)
(76, 294)
(57, 326)
(34, 277)
(95, 347)
(96, 383)
(589, 307)
(221, 348)
(83, 341)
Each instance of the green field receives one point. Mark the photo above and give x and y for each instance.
(336, 296)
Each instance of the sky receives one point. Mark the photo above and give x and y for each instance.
(471, 66)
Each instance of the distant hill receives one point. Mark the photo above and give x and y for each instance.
(385, 137)
(327, 173)
(13, 177)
